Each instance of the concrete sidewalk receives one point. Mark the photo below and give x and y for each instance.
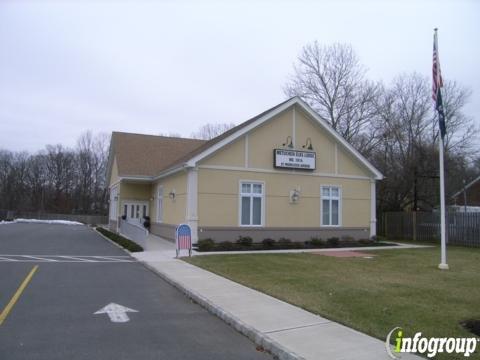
(283, 329)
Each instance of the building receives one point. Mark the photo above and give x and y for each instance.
(284, 173)
(468, 196)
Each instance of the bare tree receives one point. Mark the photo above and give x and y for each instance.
(57, 179)
(462, 134)
(209, 131)
(407, 150)
(332, 81)
(170, 134)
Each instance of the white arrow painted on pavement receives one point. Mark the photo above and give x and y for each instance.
(116, 313)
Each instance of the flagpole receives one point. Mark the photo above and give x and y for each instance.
(443, 245)
(443, 262)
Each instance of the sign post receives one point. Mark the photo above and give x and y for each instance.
(183, 239)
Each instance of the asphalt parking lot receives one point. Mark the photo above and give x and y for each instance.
(68, 273)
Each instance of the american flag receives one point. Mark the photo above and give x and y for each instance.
(184, 237)
(437, 84)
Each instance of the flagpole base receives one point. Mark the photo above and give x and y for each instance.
(443, 266)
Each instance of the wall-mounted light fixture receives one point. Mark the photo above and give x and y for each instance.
(295, 195)
(308, 144)
(172, 194)
(289, 142)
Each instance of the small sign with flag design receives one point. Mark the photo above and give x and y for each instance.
(183, 239)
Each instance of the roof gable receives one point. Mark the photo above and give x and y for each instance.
(151, 156)
(146, 155)
(470, 184)
(191, 159)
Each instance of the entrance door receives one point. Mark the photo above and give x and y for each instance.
(134, 211)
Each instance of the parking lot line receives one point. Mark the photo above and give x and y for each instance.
(6, 259)
(39, 258)
(17, 294)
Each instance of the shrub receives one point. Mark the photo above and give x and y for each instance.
(365, 241)
(297, 245)
(316, 242)
(285, 243)
(205, 244)
(333, 242)
(120, 240)
(348, 239)
(245, 241)
(268, 243)
(226, 246)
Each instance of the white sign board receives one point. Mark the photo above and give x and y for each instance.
(294, 159)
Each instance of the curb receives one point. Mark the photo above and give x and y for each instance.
(113, 242)
(259, 338)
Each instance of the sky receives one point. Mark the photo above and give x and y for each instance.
(171, 66)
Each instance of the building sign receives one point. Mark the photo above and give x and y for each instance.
(294, 159)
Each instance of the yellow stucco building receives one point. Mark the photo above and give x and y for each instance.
(284, 173)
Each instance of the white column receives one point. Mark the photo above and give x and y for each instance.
(373, 209)
(192, 202)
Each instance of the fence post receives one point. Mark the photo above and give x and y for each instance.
(385, 225)
(414, 225)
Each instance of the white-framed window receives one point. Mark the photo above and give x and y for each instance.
(160, 203)
(252, 203)
(113, 202)
(331, 205)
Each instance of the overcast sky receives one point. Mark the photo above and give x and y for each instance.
(170, 66)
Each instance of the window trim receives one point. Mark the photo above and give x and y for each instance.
(262, 203)
(159, 218)
(340, 206)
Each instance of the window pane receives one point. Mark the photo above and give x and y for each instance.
(257, 211)
(246, 188)
(334, 191)
(334, 212)
(132, 210)
(326, 212)
(125, 210)
(144, 212)
(257, 188)
(326, 191)
(245, 211)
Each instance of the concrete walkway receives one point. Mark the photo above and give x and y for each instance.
(283, 329)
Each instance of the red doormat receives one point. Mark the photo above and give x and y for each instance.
(344, 253)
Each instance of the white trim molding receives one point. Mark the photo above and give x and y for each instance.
(339, 198)
(246, 150)
(113, 206)
(294, 125)
(262, 203)
(282, 172)
(336, 158)
(373, 209)
(191, 210)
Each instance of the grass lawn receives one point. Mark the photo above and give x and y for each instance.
(397, 288)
